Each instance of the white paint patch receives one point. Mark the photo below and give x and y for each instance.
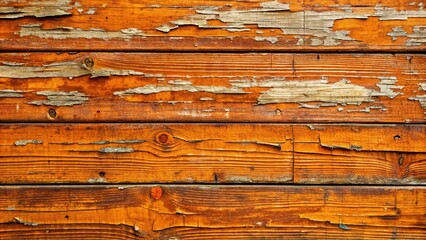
(194, 113)
(25, 142)
(179, 87)
(59, 69)
(91, 11)
(38, 9)
(116, 150)
(59, 98)
(314, 25)
(97, 180)
(330, 94)
(268, 39)
(7, 93)
(70, 32)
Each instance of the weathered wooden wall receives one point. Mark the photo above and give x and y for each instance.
(211, 119)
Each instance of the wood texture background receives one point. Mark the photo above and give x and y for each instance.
(206, 87)
(309, 25)
(212, 119)
(212, 212)
(213, 153)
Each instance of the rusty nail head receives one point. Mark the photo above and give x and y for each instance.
(52, 113)
(88, 62)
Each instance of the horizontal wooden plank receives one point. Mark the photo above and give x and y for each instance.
(213, 25)
(211, 212)
(189, 87)
(212, 153)
(100, 153)
(360, 155)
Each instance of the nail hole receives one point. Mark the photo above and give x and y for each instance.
(216, 178)
(102, 174)
(401, 160)
(52, 113)
(66, 216)
(318, 57)
(278, 112)
(396, 137)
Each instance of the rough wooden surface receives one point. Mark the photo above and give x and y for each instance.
(212, 153)
(311, 25)
(353, 154)
(197, 87)
(211, 212)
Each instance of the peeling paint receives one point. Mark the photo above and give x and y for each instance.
(397, 32)
(239, 179)
(194, 113)
(69, 69)
(316, 25)
(38, 9)
(18, 220)
(97, 180)
(91, 11)
(59, 98)
(386, 13)
(268, 39)
(351, 147)
(116, 150)
(25, 142)
(420, 98)
(11, 93)
(70, 32)
(331, 94)
(206, 99)
(418, 37)
(368, 109)
(182, 86)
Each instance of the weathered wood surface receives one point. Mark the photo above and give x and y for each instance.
(353, 154)
(211, 212)
(212, 153)
(311, 25)
(223, 87)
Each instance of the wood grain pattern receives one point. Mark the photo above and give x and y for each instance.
(360, 155)
(191, 212)
(214, 87)
(100, 153)
(212, 153)
(314, 25)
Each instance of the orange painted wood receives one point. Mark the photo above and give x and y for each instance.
(212, 153)
(120, 153)
(212, 212)
(314, 25)
(213, 87)
(354, 154)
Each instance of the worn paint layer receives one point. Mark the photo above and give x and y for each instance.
(25, 142)
(38, 9)
(70, 32)
(420, 98)
(330, 94)
(69, 69)
(317, 26)
(60, 98)
(11, 93)
(177, 86)
(116, 150)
